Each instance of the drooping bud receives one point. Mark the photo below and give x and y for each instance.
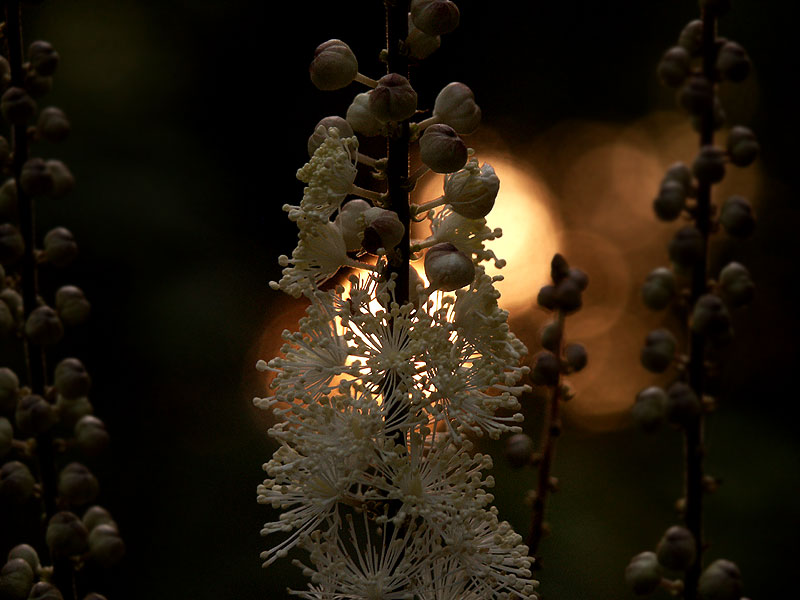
(709, 165)
(420, 45)
(393, 99)
(72, 305)
(71, 379)
(12, 245)
(383, 230)
(53, 124)
(674, 66)
(9, 389)
(362, 119)
(576, 356)
(683, 405)
(455, 106)
(60, 248)
(43, 326)
(721, 580)
(45, 591)
(77, 485)
(442, 149)
(659, 288)
(17, 106)
(733, 63)
(742, 146)
(321, 132)
(34, 415)
(91, 435)
(66, 535)
(687, 247)
(16, 482)
(16, 580)
(519, 449)
(643, 573)
(63, 180)
(677, 549)
(736, 216)
(334, 65)
(472, 191)
(710, 317)
(546, 369)
(447, 268)
(43, 57)
(106, 546)
(650, 409)
(735, 285)
(659, 350)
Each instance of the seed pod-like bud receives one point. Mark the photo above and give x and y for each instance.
(677, 549)
(670, 201)
(393, 99)
(442, 149)
(77, 485)
(361, 117)
(419, 44)
(687, 247)
(12, 246)
(519, 449)
(45, 591)
(26, 553)
(742, 146)
(710, 317)
(35, 178)
(53, 124)
(691, 37)
(709, 165)
(16, 580)
(659, 288)
(43, 57)
(17, 106)
(60, 248)
(659, 350)
(650, 408)
(383, 230)
(434, 17)
(34, 415)
(106, 546)
(9, 389)
(472, 191)
(455, 106)
(735, 285)
(43, 326)
(721, 580)
(447, 268)
(736, 216)
(63, 180)
(546, 369)
(334, 65)
(643, 573)
(72, 305)
(71, 379)
(674, 67)
(16, 482)
(683, 405)
(6, 436)
(97, 515)
(91, 435)
(697, 95)
(66, 535)
(733, 63)
(321, 132)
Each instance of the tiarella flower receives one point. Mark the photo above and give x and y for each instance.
(468, 235)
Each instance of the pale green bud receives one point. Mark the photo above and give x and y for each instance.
(442, 150)
(26, 553)
(60, 248)
(362, 119)
(91, 435)
(71, 379)
(97, 515)
(659, 288)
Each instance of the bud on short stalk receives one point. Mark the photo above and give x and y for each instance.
(27, 553)
(105, 545)
(546, 369)
(472, 191)
(709, 165)
(60, 248)
(350, 222)
(36, 178)
(455, 106)
(12, 245)
(77, 485)
(334, 65)
(435, 17)
(9, 389)
(687, 247)
(383, 229)
(683, 405)
(650, 409)
(691, 37)
(72, 306)
(97, 515)
(43, 590)
(16, 580)
(442, 149)
(659, 288)
(710, 318)
(659, 350)
(677, 549)
(735, 285)
(34, 415)
(720, 581)
(447, 268)
(17, 106)
(362, 119)
(43, 57)
(670, 201)
(576, 356)
(71, 379)
(643, 573)
(52, 124)
(420, 45)
(16, 482)
(66, 535)
(736, 216)
(43, 327)
(393, 99)
(675, 66)
(733, 63)
(742, 146)
(321, 132)
(63, 181)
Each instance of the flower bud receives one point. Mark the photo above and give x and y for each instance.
(63, 181)
(350, 224)
(71, 379)
(321, 132)
(8, 200)
(76, 484)
(671, 200)
(383, 230)
(546, 369)
(16, 482)
(559, 268)
(471, 192)
(17, 106)
(447, 268)
(420, 45)
(659, 288)
(60, 248)
(576, 356)
(680, 173)
(736, 216)
(683, 405)
(9, 389)
(26, 553)
(6, 436)
(43, 57)
(37, 85)
(442, 149)
(519, 449)
(91, 435)
(393, 99)
(106, 546)
(12, 299)
(733, 63)
(709, 165)
(12, 246)
(34, 415)
(72, 305)
(434, 17)
(547, 297)
(687, 247)
(659, 350)
(16, 580)
(45, 591)
(43, 326)
(710, 318)
(720, 581)
(455, 106)
(53, 124)
(579, 277)
(568, 297)
(5, 72)
(35, 178)
(697, 95)
(691, 37)
(674, 67)
(97, 515)
(742, 146)
(362, 119)
(677, 549)
(7, 322)
(735, 285)
(650, 408)
(643, 573)
(334, 65)
(66, 535)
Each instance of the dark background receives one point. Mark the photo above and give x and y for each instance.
(189, 121)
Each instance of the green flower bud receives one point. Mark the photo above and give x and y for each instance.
(670, 201)
(659, 288)
(71, 379)
(696, 96)
(97, 515)
(26, 553)
(677, 549)
(106, 546)
(733, 63)
(16, 482)
(736, 216)
(674, 66)
(434, 17)
(334, 65)
(17, 106)
(720, 581)
(43, 57)
(9, 389)
(650, 409)
(710, 317)
(691, 37)
(442, 150)
(16, 580)
(643, 573)
(43, 326)
(6, 436)
(66, 535)
(742, 146)
(321, 132)
(35, 178)
(60, 248)
(519, 448)
(546, 369)
(687, 247)
(709, 165)
(12, 246)
(576, 356)
(455, 106)
(91, 435)
(34, 415)
(735, 285)
(447, 268)
(72, 305)
(658, 351)
(393, 99)
(45, 591)
(683, 405)
(362, 119)
(63, 181)
(52, 124)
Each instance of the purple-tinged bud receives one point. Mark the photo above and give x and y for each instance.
(643, 573)
(334, 65)
(568, 296)
(43, 57)
(447, 268)
(579, 277)
(691, 37)
(60, 248)
(383, 230)
(362, 119)
(697, 95)
(736, 216)
(519, 449)
(35, 178)
(9, 389)
(559, 268)
(659, 350)
(91, 435)
(547, 297)
(670, 201)
(742, 146)
(393, 99)
(53, 124)
(16, 482)
(710, 318)
(66, 535)
(576, 356)
(71, 379)
(72, 306)
(45, 591)
(546, 369)
(12, 246)
(659, 288)
(687, 247)
(733, 63)
(674, 66)
(77, 485)
(709, 165)
(321, 132)
(471, 192)
(34, 415)
(683, 405)
(455, 106)
(420, 45)
(677, 549)
(43, 327)
(442, 149)
(63, 180)
(735, 285)
(721, 580)
(16, 580)
(650, 409)
(434, 17)
(17, 106)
